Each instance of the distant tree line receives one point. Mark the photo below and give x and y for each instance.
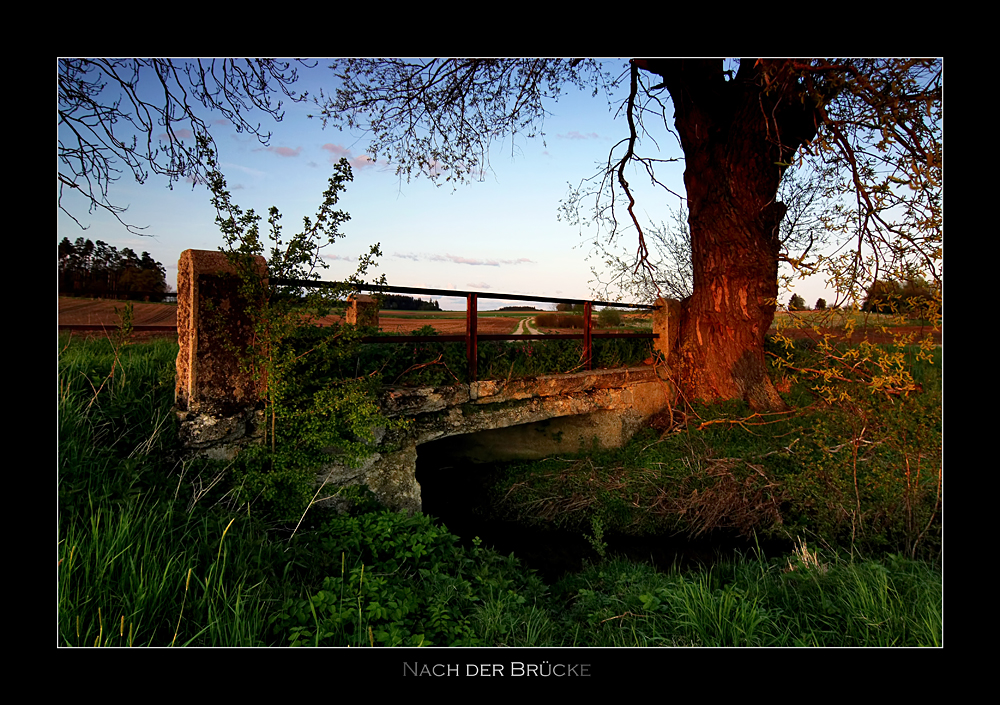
(396, 302)
(99, 269)
(912, 295)
(518, 308)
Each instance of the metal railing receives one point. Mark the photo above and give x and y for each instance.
(472, 337)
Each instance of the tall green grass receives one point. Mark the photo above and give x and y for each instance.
(752, 601)
(135, 568)
(148, 555)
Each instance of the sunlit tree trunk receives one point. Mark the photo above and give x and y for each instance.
(737, 137)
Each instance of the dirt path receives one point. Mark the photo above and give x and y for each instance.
(524, 327)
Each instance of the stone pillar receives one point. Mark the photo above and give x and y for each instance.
(211, 325)
(666, 323)
(362, 311)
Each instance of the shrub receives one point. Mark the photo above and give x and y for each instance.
(892, 296)
(555, 320)
(609, 318)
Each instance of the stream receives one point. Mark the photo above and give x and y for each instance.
(459, 494)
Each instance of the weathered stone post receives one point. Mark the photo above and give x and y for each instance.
(666, 324)
(363, 311)
(214, 398)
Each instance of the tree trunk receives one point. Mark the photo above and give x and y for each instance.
(737, 136)
(723, 323)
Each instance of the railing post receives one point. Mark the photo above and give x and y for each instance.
(586, 336)
(471, 351)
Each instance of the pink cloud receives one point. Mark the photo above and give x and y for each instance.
(361, 162)
(462, 260)
(182, 134)
(285, 151)
(336, 150)
(574, 135)
(477, 262)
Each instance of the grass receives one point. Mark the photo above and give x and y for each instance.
(152, 551)
(753, 601)
(863, 473)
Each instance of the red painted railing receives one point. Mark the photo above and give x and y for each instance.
(472, 337)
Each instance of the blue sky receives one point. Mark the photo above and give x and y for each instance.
(498, 235)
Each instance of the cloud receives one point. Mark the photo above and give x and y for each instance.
(182, 134)
(464, 260)
(361, 162)
(455, 259)
(480, 285)
(574, 135)
(245, 169)
(284, 151)
(485, 263)
(338, 152)
(340, 258)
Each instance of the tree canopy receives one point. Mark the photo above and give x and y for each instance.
(99, 269)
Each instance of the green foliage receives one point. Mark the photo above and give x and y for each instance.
(305, 416)
(555, 320)
(820, 304)
(796, 303)
(400, 581)
(397, 302)
(438, 364)
(754, 602)
(861, 471)
(136, 568)
(910, 295)
(609, 318)
(90, 269)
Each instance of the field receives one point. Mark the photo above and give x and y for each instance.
(78, 311)
(873, 327)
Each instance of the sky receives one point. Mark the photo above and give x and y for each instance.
(500, 234)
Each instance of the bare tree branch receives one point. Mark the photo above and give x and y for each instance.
(107, 105)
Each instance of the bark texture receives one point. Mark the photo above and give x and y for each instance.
(737, 133)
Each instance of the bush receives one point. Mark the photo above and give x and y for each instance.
(398, 580)
(609, 318)
(915, 295)
(555, 320)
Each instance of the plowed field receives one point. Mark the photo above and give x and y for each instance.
(444, 326)
(872, 335)
(99, 312)
(74, 311)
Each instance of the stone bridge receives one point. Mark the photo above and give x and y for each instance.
(482, 421)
